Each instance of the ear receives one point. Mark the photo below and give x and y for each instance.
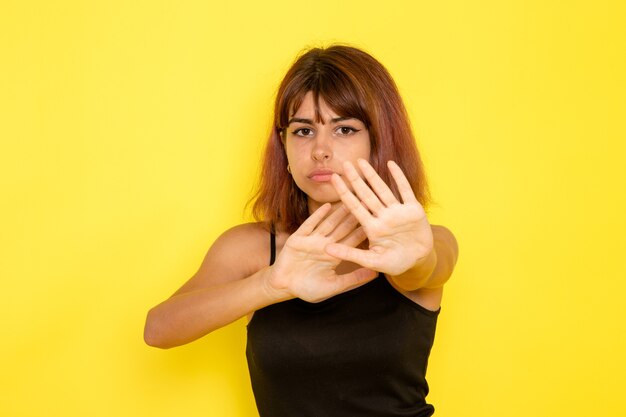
(281, 134)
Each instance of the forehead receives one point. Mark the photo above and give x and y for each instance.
(322, 99)
(312, 106)
(316, 109)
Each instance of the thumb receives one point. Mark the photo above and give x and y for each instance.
(356, 278)
(347, 253)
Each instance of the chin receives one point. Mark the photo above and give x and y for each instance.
(322, 198)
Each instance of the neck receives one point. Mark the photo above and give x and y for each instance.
(314, 205)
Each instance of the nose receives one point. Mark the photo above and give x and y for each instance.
(322, 149)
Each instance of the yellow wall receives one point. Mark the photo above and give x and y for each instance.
(130, 135)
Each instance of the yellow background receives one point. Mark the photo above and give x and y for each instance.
(130, 138)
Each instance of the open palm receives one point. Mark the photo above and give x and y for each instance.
(305, 270)
(398, 231)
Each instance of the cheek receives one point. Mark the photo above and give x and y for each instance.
(295, 156)
(352, 152)
(367, 151)
(290, 153)
(293, 162)
(363, 147)
(363, 150)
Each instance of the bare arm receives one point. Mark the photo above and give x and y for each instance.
(230, 283)
(189, 316)
(234, 280)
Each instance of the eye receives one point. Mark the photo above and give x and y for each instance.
(346, 130)
(303, 132)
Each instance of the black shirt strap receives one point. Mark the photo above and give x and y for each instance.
(272, 244)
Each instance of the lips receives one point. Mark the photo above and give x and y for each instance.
(321, 175)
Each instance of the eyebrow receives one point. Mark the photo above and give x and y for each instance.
(310, 122)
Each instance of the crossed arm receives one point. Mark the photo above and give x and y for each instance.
(402, 244)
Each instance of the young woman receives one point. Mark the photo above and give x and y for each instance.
(342, 277)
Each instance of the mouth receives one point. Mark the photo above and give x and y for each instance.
(321, 175)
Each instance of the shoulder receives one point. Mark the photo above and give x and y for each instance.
(236, 254)
(246, 243)
(247, 234)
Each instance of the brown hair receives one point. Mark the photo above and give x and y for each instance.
(353, 84)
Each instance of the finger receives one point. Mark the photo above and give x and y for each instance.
(335, 218)
(355, 238)
(362, 190)
(347, 225)
(406, 192)
(356, 278)
(352, 203)
(307, 227)
(382, 190)
(361, 257)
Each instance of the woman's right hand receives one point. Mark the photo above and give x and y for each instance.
(304, 270)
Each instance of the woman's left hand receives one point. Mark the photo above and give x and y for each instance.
(398, 231)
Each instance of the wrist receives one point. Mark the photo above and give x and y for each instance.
(419, 274)
(426, 264)
(271, 286)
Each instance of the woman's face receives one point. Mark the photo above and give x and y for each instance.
(316, 150)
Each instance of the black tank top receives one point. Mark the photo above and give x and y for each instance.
(360, 353)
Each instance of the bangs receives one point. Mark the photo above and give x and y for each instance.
(337, 90)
